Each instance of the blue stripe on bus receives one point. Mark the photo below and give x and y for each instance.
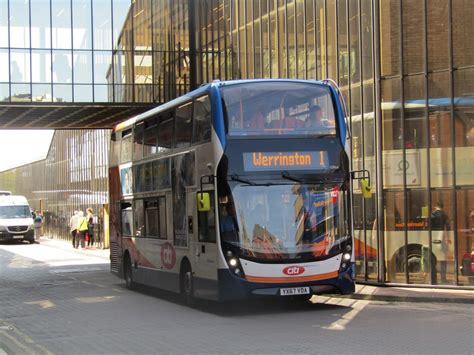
(218, 114)
(340, 117)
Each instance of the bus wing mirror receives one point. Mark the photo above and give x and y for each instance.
(365, 187)
(203, 202)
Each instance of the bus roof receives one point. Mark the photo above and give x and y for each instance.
(198, 92)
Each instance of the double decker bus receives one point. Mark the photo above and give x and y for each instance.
(231, 191)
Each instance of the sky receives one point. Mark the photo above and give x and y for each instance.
(20, 147)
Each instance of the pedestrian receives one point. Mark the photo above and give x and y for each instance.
(81, 230)
(90, 227)
(73, 227)
(37, 223)
(440, 222)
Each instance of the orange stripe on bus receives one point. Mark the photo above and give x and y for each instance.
(262, 279)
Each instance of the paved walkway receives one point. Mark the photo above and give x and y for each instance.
(366, 292)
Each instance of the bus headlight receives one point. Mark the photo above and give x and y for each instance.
(233, 262)
(346, 256)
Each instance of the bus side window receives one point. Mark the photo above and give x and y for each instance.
(127, 218)
(138, 133)
(202, 120)
(207, 223)
(166, 133)
(139, 218)
(184, 125)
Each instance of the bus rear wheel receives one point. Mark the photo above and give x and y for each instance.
(127, 273)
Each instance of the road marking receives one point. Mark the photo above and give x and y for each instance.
(43, 304)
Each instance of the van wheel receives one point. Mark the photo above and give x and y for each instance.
(187, 285)
(127, 273)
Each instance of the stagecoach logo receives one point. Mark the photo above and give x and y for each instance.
(293, 270)
(264, 161)
(168, 255)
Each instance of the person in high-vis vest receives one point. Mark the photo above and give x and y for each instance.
(81, 230)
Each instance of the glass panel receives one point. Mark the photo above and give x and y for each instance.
(465, 227)
(413, 42)
(438, 36)
(21, 92)
(417, 249)
(82, 67)
(82, 31)
(342, 42)
(441, 167)
(143, 67)
(41, 66)
(83, 93)
(415, 102)
(20, 66)
(19, 24)
(61, 20)
(331, 33)
(143, 92)
(62, 93)
(120, 11)
(310, 40)
(366, 23)
(3, 23)
(142, 25)
(103, 93)
(4, 63)
(390, 37)
(4, 92)
(184, 125)
(321, 60)
(391, 119)
(463, 32)
(395, 251)
(42, 92)
(102, 22)
(102, 62)
(354, 38)
(62, 67)
(442, 236)
(40, 24)
(464, 124)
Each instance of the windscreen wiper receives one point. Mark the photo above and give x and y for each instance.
(235, 177)
(286, 175)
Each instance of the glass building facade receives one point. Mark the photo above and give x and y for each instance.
(406, 70)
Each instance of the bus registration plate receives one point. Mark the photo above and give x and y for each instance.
(294, 291)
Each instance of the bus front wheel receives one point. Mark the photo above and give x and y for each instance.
(187, 285)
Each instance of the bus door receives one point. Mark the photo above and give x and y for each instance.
(204, 248)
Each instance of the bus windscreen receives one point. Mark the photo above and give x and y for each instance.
(276, 108)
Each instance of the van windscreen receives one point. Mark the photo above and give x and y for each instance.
(15, 212)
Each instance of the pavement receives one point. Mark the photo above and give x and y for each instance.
(363, 292)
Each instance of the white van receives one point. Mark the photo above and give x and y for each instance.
(16, 221)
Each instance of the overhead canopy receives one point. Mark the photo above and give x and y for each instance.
(67, 115)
